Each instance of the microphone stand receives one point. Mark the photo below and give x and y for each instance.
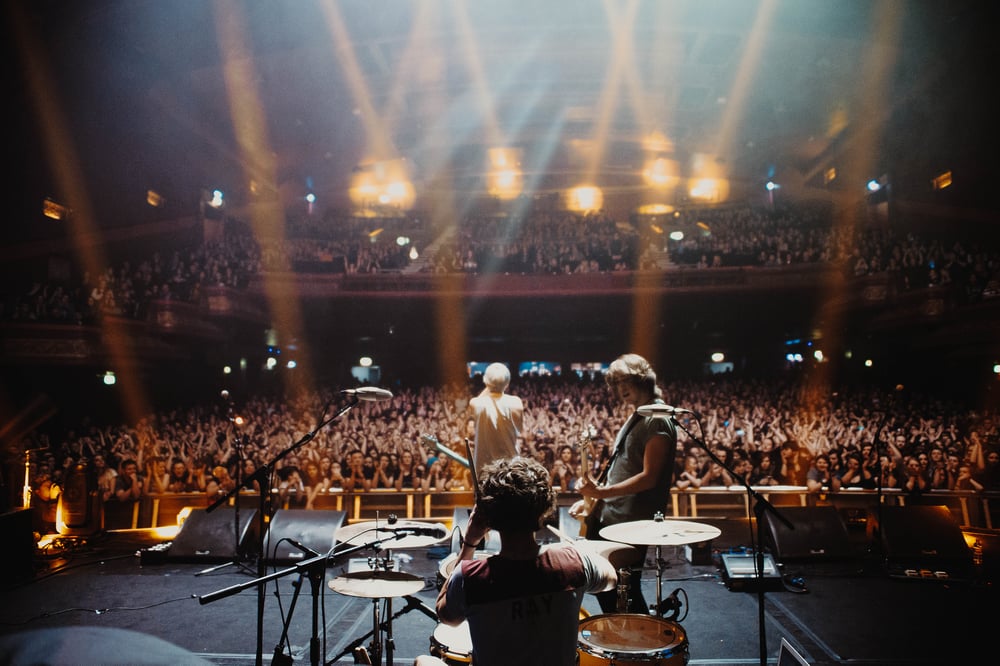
(875, 547)
(238, 444)
(263, 476)
(760, 505)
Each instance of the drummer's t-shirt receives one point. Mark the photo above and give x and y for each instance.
(524, 612)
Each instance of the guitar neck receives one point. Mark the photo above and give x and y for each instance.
(441, 448)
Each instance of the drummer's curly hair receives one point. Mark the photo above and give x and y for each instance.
(516, 495)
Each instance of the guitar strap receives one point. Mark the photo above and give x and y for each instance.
(619, 445)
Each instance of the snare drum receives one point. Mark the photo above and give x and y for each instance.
(631, 639)
(453, 645)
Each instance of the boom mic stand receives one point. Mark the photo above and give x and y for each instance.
(760, 505)
(314, 568)
(263, 475)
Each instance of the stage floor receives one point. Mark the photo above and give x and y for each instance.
(845, 611)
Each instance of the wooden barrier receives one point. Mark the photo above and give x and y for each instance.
(969, 509)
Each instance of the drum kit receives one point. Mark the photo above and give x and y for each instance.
(625, 639)
(621, 639)
(612, 639)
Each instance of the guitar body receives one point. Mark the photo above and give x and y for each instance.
(588, 519)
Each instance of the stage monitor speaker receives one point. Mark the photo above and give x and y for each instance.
(819, 533)
(924, 542)
(313, 528)
(214, 537)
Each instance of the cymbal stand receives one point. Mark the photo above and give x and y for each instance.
(659, 580)
(660, 566)
(376, 651)
(315, 569)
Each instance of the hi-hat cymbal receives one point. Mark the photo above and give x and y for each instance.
(660, 532)
(377, 584)
(399, 535)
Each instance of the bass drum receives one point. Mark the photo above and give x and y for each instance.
(453, 645)
(631, 639)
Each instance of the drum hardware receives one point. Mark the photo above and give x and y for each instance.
(380, 584)
(412, 603)
(623, 582)
(659, 532)
(314, 568)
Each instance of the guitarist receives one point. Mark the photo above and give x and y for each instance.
(635, 484)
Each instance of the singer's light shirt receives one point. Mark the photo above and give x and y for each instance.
(498, 420)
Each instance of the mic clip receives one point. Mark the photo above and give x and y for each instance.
(671, 605)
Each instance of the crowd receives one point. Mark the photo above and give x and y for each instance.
(770, 432)
(539, 243)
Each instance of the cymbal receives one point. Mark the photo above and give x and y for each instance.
(377, 584)
(360, 533)
(660, 532)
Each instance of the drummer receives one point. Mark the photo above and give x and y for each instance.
(638, 476)
(522, 605)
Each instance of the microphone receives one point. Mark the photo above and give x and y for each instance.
(369, 394)
(436, 532)
(665, 410)
(224, 394)
(671, 604)
(305, 549)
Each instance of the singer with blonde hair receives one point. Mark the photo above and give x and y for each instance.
(497, 417)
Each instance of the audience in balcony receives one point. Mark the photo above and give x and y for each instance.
(967, 270)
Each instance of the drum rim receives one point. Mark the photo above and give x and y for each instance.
(679, 646)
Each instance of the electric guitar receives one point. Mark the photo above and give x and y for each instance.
(590, 504)
(431, 440)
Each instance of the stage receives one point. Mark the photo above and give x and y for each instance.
(833, 608)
